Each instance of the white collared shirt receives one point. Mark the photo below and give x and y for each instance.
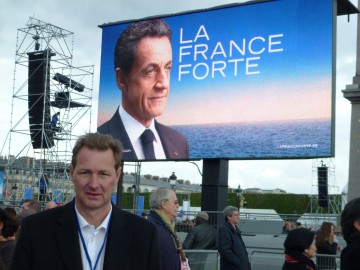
(94, 238)
(134, 129)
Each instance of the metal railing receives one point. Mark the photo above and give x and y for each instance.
(273, 260)
(269, 260)
(203, 259)
(259, 260)
(327, 262)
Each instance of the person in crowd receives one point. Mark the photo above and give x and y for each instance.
(28, 208)
(287, 227)
(143, 60)
(11, 211)
(233, 253)
(201, 236)
(326, 243)
(350, 225)
(89, 232)
(164, 206)
(30, 204)
(299, 250)
(8, 229)
(51, 205)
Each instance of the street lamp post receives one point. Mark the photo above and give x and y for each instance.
(134, 197)
(238, 196)
(172, 180)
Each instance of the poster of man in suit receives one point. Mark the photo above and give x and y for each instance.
(257, 85)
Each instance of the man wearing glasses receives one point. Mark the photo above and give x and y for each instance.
(164, 206)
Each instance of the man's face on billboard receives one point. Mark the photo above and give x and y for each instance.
(145, 90)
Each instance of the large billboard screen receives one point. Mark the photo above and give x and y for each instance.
(248, 81)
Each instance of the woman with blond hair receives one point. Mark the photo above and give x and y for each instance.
(326, 243)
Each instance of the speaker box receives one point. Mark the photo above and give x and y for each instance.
(39, 99)
(323, 187)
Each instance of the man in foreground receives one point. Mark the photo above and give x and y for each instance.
(89, 232)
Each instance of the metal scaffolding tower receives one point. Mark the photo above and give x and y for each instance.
(325, 194)
(45, 82)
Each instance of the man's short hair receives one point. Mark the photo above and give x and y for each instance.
(126, 46)
(159, 195)
(101, 142)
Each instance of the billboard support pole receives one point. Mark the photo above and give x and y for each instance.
(214, 194)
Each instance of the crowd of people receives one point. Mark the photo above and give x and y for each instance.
(10, 223)
(90, 232)
(310, 242)
(302, 244)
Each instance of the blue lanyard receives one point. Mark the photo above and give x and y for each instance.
(84, 245)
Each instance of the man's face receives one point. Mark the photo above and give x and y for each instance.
(234, 218)
(170, 207)
(25, 206)
(94, 178)
(145, 90)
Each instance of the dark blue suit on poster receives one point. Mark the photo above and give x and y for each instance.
(175, 145)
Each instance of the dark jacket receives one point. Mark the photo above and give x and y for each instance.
(169, 255)
(295, 260)
(350, 255)
(175, 145)
(202, 236)
(50, 240)
(233, 254)
(327, 248)
(6, 253)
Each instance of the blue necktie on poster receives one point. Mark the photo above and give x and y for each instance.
(147, 139)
